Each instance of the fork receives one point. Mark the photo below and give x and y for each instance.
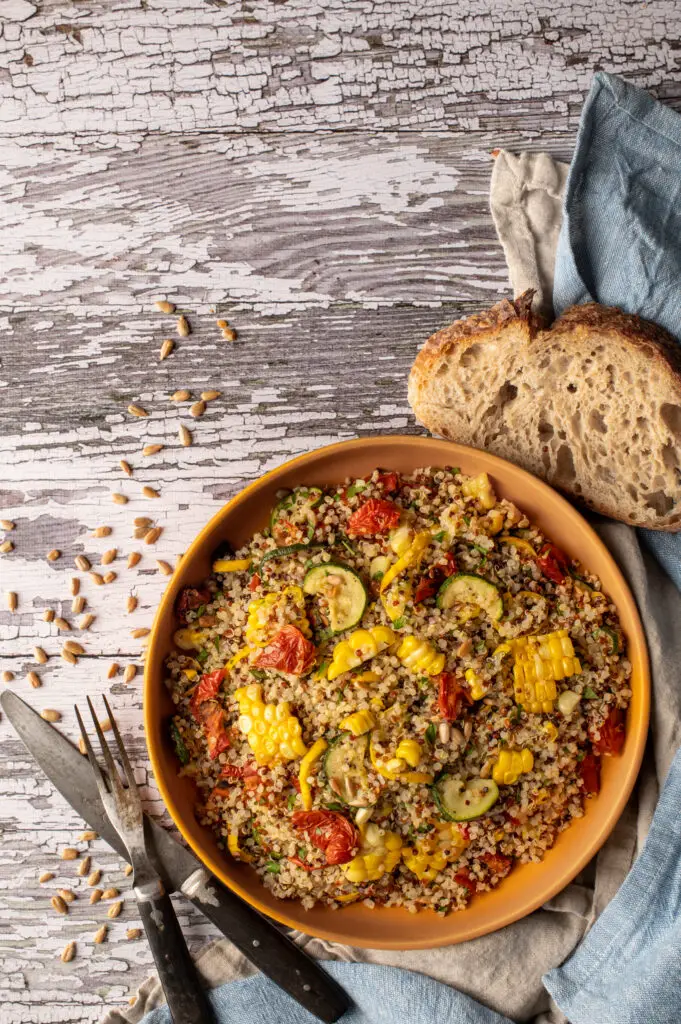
(186, 999)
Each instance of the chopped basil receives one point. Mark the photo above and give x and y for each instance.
(439, 536)
(290, 803)
(431, 733)
(216, 643)
(353, 489)
(589, 694)
(378, 576)
(334, 806)
(258, 673)
(202, 656)
(399, 623)
(347, 545)
(273, 867)
(467, 520)
(200, 610)
(178, 743)
(302, 852)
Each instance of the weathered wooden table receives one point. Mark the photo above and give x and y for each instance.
(317, 174)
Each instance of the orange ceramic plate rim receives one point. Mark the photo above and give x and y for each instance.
(637, 724)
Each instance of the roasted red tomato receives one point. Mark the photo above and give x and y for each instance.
(390, 482)
(330, 832)
(429, 584)
(302, 864)
(212, 717)
(497, 863)
(464, 878)
(375, 516)
(451, 695)
(189, 599)
(612, 733)
(590, 771)
(554, 563)
(254, 582)
(288, 651)
(207, 689)
(232, 771)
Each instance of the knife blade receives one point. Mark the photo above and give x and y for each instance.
(254, 935)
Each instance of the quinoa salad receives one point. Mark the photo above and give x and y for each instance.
(395, 692)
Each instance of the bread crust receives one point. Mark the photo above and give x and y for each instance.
(578, 326)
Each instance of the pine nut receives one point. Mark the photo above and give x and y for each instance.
(183, 328)
(133, 933)
(126, 467)
(6, 547)
(113, 670)
(486, 769)
(130, 604)
(68, 952)
(78, 604)
(443, 732)
(467, 730)
(7, 524)
(185, 436)
(163, 306)
(48, 615)
(84, 866)
(109, 556)
(75, 586)
(197, 409)
(130, 673)
(119, 499)
(109, 577)
(50, 715)
(127, 870)
(137, 410)
(143, 521)
(73, 647)
(222, 324)
(133, 559)
(62, 624)
(94, 877)
(150, 492)
(209, 396)
(71, 659)
(34, 680)
(97, 578)
(7, 676)
(53, 555)
(67, 895)
(39, 655)
(110, 893)
(137, 634)
(46, 876)
(230, 334)
(82, 563)
(102, 531)
(95, 895)
(100, 934)
(152, 449)
(86, 621)
(165, 568)
(69, 853)
(166, 349)
(12, 600)
(59, 905)
(105, 725)
(88, 835)
(181, 396)
(115, 909)
(81, 746)
(151, 536)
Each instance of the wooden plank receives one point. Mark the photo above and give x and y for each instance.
(298, 65)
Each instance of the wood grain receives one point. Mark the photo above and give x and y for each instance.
(317, 174)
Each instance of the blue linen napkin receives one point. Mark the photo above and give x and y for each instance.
(620, 241)
(620, 244)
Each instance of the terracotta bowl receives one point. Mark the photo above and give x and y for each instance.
(528, 886)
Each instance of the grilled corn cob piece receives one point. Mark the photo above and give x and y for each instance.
(511, 764)
(539, 662)
(409, 751)
(379, 854)
(359, 722)
(273, 733)
(360, 646)
(433, 852)
(420, 656)
(475, 687)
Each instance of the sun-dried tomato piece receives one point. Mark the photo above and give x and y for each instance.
(450, 697)
(207, 689)
(463, 878)
(214, 721)
(254, 582)
(288, 651)
(612, 733)
(590, 771)
(554, 563)
(189, 599)
(302, 864)
(390, 482)
(430, 583)
(329, 832)
(375, 516)
(497, 863)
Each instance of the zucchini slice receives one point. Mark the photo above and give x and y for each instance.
(342, 592)
(345, 770)
(293, 519)
(467, 588)
(459, 801)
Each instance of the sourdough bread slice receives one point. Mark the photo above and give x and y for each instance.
(591, 404)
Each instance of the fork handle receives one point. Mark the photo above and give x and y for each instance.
(187, 1001)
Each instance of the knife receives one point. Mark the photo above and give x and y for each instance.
(258, 939)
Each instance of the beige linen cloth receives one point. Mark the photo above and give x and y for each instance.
(504, 970)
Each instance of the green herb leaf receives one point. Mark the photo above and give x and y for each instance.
(178, 743)
(353, 489)
(431, 733)
(259, 674)
(302, 852)
(439, 536)
(200, 610)
(378, 576)
(589, 694)
(273, 867)
(467, 520)
(399, 623)
(291, 802)
(216, 643)
(347, 545)
(334, 806)
(202, 656)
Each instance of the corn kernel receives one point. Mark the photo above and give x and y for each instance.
(379, 854)
(409, 751)
(511, 764)
(273, 733)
